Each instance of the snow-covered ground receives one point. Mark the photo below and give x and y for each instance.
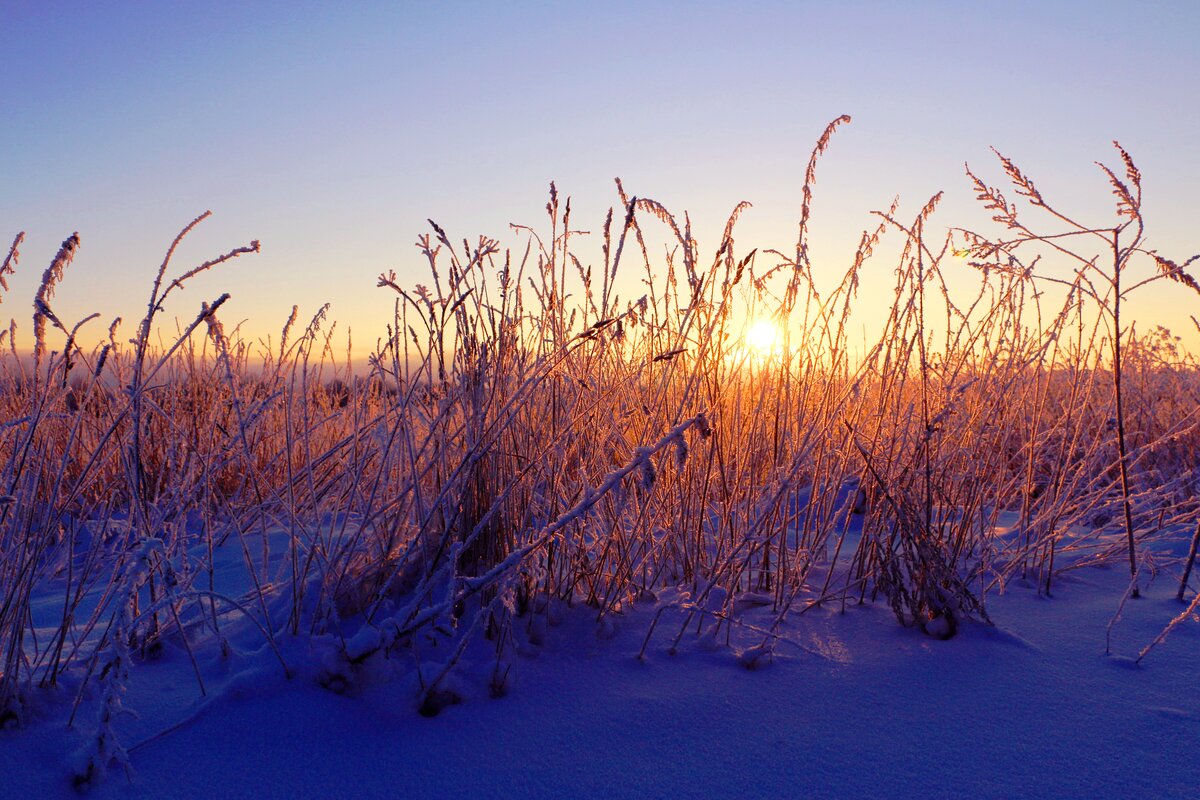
(851, 705)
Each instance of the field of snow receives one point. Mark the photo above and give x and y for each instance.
(847, 705)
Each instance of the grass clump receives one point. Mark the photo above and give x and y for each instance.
(528, 435)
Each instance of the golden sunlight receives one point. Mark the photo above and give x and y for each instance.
(762, 338)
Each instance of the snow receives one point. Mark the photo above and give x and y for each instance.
(842, 705)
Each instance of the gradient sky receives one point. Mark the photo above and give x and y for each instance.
(331, 132)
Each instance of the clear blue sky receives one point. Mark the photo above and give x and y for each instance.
(330, 132)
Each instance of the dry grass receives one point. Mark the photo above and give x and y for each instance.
(527, 435)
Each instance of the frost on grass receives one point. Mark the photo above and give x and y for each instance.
(577, 425)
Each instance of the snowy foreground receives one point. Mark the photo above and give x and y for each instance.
(853, 705)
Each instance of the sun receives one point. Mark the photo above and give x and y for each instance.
(762, 338)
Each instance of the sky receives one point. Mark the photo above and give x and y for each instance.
(331, 132)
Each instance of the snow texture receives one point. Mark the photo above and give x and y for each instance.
(843, 705)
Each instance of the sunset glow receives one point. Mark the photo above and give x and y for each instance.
(674, 400)
(763, 338)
